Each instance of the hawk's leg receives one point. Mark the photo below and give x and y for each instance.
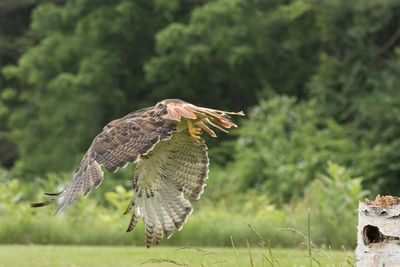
(194, 132)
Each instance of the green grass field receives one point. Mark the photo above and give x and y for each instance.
(87, 256)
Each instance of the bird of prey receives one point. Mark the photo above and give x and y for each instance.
(171, 162)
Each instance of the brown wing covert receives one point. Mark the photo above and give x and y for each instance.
(120, 143)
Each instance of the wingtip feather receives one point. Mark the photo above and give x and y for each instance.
(54, 194)
(41, 204)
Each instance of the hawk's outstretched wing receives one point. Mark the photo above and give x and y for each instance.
(121, 142)
(176, 168)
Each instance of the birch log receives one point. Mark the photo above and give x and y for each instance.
(378, 237)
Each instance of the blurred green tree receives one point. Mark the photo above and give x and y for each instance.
(357, 82)
(90, 61)
(14, 22)
(233, 51)
(84, 68)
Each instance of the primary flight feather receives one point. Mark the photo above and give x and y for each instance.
(171, 162)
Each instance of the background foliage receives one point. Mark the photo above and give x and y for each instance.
(319, 81)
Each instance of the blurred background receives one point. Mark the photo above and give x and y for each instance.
(318, 80)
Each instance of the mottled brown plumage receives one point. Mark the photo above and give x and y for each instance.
(171, 157)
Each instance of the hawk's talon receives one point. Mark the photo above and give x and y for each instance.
(194, 132)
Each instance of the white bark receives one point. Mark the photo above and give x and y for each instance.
(378, 237)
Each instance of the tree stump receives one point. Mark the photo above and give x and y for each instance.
(378, 237)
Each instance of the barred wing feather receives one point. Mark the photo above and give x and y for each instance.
(119, 144)
(176, 169)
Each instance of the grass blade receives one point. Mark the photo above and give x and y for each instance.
(309, 236)
(251, 257)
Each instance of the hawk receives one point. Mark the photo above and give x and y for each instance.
(171, 163)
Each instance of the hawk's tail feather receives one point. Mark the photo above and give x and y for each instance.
(176, 109)
(219, 117)
(162, 211)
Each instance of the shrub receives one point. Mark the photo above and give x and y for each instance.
(284, 144)
(333, 199)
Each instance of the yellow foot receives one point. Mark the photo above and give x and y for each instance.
(194, 132)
